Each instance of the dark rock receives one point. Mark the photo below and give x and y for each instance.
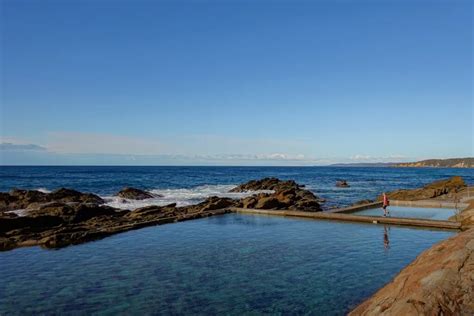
(152, 210)
(269, 202)
(30, 223)
(22, 199)
(287, 195)
(215, 203)
(342, 184)
(266, 184)
(84, 212)
(68, 195)
(135, 194)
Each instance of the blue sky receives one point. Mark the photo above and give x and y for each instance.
(235, 82)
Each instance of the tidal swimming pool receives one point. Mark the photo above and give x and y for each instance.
(412, 212)
(230, 264)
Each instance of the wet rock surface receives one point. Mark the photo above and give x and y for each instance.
(439, 282)
(438, 189)
(22, 199)
(135, 194)
(287, 195)
(55, 225)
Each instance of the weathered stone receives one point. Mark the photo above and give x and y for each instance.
(286, 195)
(68, 195)
(22, 199)
(135, 194)
(465, 217)
(265, 184)
(268, 203)
(432, 190)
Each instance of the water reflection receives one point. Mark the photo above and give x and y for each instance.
(386, 240)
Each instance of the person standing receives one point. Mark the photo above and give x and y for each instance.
(385, 204)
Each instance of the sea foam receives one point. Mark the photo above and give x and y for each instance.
(182, 197)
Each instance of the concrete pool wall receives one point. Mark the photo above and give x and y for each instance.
(416, 222)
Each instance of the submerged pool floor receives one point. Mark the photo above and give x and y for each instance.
(411, 212)
(230, 264)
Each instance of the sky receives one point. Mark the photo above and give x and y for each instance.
(235, 82)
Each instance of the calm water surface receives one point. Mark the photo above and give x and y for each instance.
(412, 212)
(231, 264)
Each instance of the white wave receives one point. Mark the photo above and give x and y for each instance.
(19, 212)
(181, 197)
(43, 190)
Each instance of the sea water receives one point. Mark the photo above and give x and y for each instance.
(189, 185)
(231, 264)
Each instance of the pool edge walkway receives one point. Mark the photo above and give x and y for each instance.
(356, 218)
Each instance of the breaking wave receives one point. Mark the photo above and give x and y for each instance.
(182, 197)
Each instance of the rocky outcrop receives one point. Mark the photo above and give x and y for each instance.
(135, 194)
(22, 199)
(437, 189)
(439, 282)
(287, 195)
(266, 184)
(59, 224)
(342, 184)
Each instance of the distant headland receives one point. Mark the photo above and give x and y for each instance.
(441, 163)
(429, 163)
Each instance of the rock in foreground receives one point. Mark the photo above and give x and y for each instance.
(437, 189)
(55, 225)
(439, 282)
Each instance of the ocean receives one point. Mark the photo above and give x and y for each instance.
(186, 185)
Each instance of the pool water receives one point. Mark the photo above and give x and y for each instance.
(231, 264)
(411, 212)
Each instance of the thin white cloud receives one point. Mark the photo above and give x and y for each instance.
(89, 143)
(369, 158)
(20, 147)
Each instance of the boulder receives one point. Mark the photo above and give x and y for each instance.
(286, 195)
(68, 195)
(248, 202)
(266, 184)
(268, 203)
(135, 194)
(22, 199)
(215, 203)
